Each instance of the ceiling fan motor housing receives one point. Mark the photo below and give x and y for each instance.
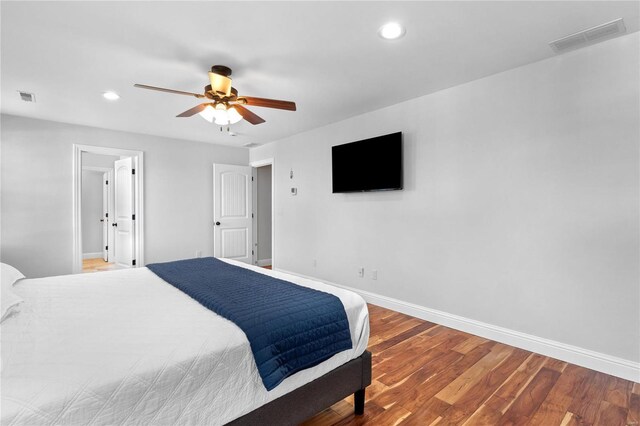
(220, 81)
(221, 69)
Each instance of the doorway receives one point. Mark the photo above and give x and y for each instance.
(108, 211)
(243, 220)
(263, 173)
(97, 215)
(262, 217)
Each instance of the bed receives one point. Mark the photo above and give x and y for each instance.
(125, 347)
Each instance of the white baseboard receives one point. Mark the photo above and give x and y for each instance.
(598, 361)
(264, 262)
(92, 255)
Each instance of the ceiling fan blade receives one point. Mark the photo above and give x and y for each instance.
(193, 111)
(248, 115)
(160, 89)
(269, 103)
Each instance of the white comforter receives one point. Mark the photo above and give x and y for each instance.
(125, 347)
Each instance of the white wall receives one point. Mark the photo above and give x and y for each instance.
(92, 212)
(520, 206)
(37, 186)
(264, 212)
(98, 160)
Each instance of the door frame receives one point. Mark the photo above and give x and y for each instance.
(254, 189)
(138, 159)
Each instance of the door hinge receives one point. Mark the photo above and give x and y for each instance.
(106, 183)
(106, 215)
(252, 252)
(134, 262)
(106, 247)
(133, 171)
(251, 178)
(133, 217)
(252, 215)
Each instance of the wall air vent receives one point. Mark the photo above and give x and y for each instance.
(589, 36)
(26, 96)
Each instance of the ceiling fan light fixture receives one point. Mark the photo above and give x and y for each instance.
(220, 115)
(234, 116)
(225, 117)
(220, 84)
(208, 113)
(391, 31)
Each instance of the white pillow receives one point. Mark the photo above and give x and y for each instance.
(8, 299)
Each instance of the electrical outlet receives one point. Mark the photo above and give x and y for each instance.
(374, 274)
(198, 253)
(361, 272)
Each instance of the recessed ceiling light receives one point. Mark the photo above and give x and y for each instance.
(112, 96)
(391, 31)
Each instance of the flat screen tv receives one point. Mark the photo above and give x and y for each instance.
(368, 165)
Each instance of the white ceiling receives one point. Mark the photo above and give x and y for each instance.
(325, 56)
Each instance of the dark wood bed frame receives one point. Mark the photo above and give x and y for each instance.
(302, 403)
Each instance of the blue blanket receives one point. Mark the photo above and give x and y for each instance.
(289, 327)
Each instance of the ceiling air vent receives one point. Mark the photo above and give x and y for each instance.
(27, 97)
(251, 145)
(589, 36)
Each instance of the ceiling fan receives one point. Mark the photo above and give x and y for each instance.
(223, 103)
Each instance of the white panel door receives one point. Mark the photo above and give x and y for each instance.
(105, 216)
(123, 221)
(232, 212)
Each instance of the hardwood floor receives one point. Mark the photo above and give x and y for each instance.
(97, 265)
(427, 374)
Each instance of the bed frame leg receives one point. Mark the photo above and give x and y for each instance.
(358, 402)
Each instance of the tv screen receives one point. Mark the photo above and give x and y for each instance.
(368, 165)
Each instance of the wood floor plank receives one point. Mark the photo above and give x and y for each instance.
(484, 416)
(487, 383)
(397, 357)
(554, 408)
(516, 383)
(371, 411)
(416, 361)
(476, 395)
(402, 393)
(633, 416)
(618, 392)
(427, 413)
(469, 344)
(407, 334)
(391, 416)
(443, 377)
(397, 328)
(569, 420)
(611, 415)
(375, 388)
(531, 398)
(586, 402)
(555, 364)
(474, 374)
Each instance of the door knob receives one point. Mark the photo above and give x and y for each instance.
(217, 223)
